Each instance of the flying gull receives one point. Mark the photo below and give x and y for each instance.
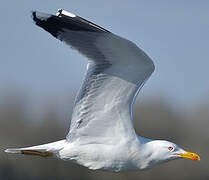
(102, 134)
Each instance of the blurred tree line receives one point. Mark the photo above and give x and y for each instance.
(153, 119)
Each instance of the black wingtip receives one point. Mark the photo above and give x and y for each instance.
(33, 16)
(46, 21)
(56, 24)
(36, 20)
(39, 16)
(59, 12)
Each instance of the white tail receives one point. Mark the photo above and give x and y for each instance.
(44, 150)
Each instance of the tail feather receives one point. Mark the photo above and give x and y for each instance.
(13, 150)
(41, 150)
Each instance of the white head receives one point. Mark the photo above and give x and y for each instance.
(159, 151)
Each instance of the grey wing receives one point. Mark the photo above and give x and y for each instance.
(77, 32)
(116, 70)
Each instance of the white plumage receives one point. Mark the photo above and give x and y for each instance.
(102, 134)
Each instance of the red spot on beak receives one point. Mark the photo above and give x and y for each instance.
(195, 158)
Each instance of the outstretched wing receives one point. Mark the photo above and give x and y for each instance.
(116, 70)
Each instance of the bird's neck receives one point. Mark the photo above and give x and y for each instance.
(143, 155)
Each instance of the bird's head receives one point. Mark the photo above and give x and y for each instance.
(161, 151)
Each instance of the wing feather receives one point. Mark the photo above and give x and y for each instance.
(116, 70)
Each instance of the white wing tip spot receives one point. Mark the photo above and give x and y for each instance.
(66, 13)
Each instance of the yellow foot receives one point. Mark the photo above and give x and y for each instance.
(37, 153)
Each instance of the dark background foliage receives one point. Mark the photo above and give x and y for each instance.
(154, 119)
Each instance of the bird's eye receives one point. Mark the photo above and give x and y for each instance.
(170, 148)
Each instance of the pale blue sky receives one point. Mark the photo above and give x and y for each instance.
(175, 34)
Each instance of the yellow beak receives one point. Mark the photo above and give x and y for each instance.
(190, 155)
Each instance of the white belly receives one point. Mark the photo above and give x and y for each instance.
(98, 156)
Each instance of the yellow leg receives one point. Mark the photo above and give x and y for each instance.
(37, 153)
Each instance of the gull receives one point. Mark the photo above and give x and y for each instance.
(102, 134)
